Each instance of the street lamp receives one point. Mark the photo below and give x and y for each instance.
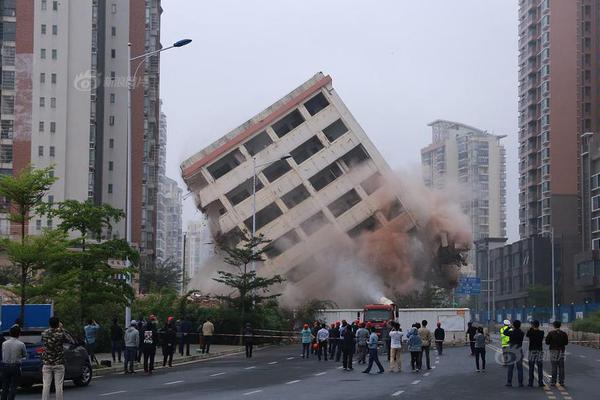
(130, 86)
(254, 167)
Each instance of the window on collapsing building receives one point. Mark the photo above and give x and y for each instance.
(295, 196)
(372, 183)
(264, 216)
(355, 156)
(258, 143)
(276, 170)
(324, 177)
(288, 123)
(306, 150)
(314, 223)
(370, 224)
(226, 164)
(335, 130)
(282, 244)
(344, 203)
(316, 104)
(243, 191)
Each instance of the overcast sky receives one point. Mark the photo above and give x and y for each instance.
(397, 64)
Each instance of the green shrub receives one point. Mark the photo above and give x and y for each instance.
(588, 324)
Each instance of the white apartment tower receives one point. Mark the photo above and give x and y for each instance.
(474, 162)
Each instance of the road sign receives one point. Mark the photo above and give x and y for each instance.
(468, 286)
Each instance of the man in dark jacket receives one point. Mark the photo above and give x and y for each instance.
(515, 352)
(471, 331)
(184, 336)
(536, 352)
(248, 335)
(149, 346)
(116, 340)
(347, 348)
(439, 334)
(334, 337)
(557, 340)
(169, 341)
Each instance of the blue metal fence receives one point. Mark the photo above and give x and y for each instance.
(565, 313)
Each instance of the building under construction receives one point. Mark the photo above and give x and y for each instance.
(330, 185)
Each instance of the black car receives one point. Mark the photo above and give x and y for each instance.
(77, 362)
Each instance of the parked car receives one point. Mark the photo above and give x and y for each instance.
(77, 361)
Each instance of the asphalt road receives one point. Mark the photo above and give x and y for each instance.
(280, 373)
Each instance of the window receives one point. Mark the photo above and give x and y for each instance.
(8, 55)
(545, 21)
(370, 224)
(393, 209)
(545, 103)
(55, 6)
(43, 54)
(55, 30)
(596, 244)
(295, 196)
(40, 151)
(111, 143)
(545, 87)
(282, 244)
(52, 102)
(595, 203)
(314, 223)
(344, 203)
(38, 224)
(50, 199)
(111, 120)
(113, 31)
(545, 70)
(276, 170)
(595, 224)
(264, 216)
(113, 8)
(44, 5)
(545, 153)
(306, 150)
(49, 223)
(8, 128)
(372, 183)
(316, 104)
(324, 177)
(226, 164)
(113, 75)
(113, 53)
(52, 151)
(546, 169)
(546, 203)
(41, 126)
(243, 191)
(54, 54)
(42, 102)
(546, 119)
(258, 143)
(8, 80)
(43, 29)
(8, 105)
(6, 153)
(110, 188)
(43, 77)
(355, 156)
(9, 31)
(53, 78)
(288, 123)
(110, 165)
(112, 98)
(52, 127)
(335, 130)
(545, 220)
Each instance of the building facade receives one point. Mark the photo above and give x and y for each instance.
(199, 248)
(64, 102)
(473, 162)
(169, 226)
(559, 43)
(318, 175)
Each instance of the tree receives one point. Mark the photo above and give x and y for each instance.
(249, 288)
(156, 275)
(25, 192)
(308, 311)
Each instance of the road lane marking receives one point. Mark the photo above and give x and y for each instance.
(320, 373)
(292, 382)
(250, 367)
(416, 382)
(398, 393)
(582, 356)
(252, 392)
(340, 367)
(290, 358)
(273, 363)
(218, 373)
(437, 362)
(433, 367)
(426, 374)
(172, 383)
(113, 393)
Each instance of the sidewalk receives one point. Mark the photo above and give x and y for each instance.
(215, 351)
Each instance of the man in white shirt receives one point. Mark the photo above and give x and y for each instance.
(322, 339)
(396, 348)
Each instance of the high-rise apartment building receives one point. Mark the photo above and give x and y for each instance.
(472, 162)
(318, 176)
(169, 227)
(199, 247)
(558, 101)
(64, 102)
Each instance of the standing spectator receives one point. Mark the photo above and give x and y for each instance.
(395, 348)
(471, 331)
(385, 337)
(479, 339)
(184, 338)
(116, 340)
(322, 339)
(169, 343)
(149, 346)
(208, 330)
(334, 335)
(415, 347)
(132, 342)
(348, 348)
(307, 338)
(373, 357)
(141, 324)
(91, 332)
(557, 340)
(53, 359)
(515, 344)
(362, 337)
(315, 330)
(338, 354)
(426, 340)
(504, 341)
(248, 335)
(536, 352)
(13, 352)
(440, 335)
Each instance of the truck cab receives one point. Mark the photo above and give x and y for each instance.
(378, 315)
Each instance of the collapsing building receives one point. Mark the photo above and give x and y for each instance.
(319, 179)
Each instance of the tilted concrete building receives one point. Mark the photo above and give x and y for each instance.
(331, 184)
